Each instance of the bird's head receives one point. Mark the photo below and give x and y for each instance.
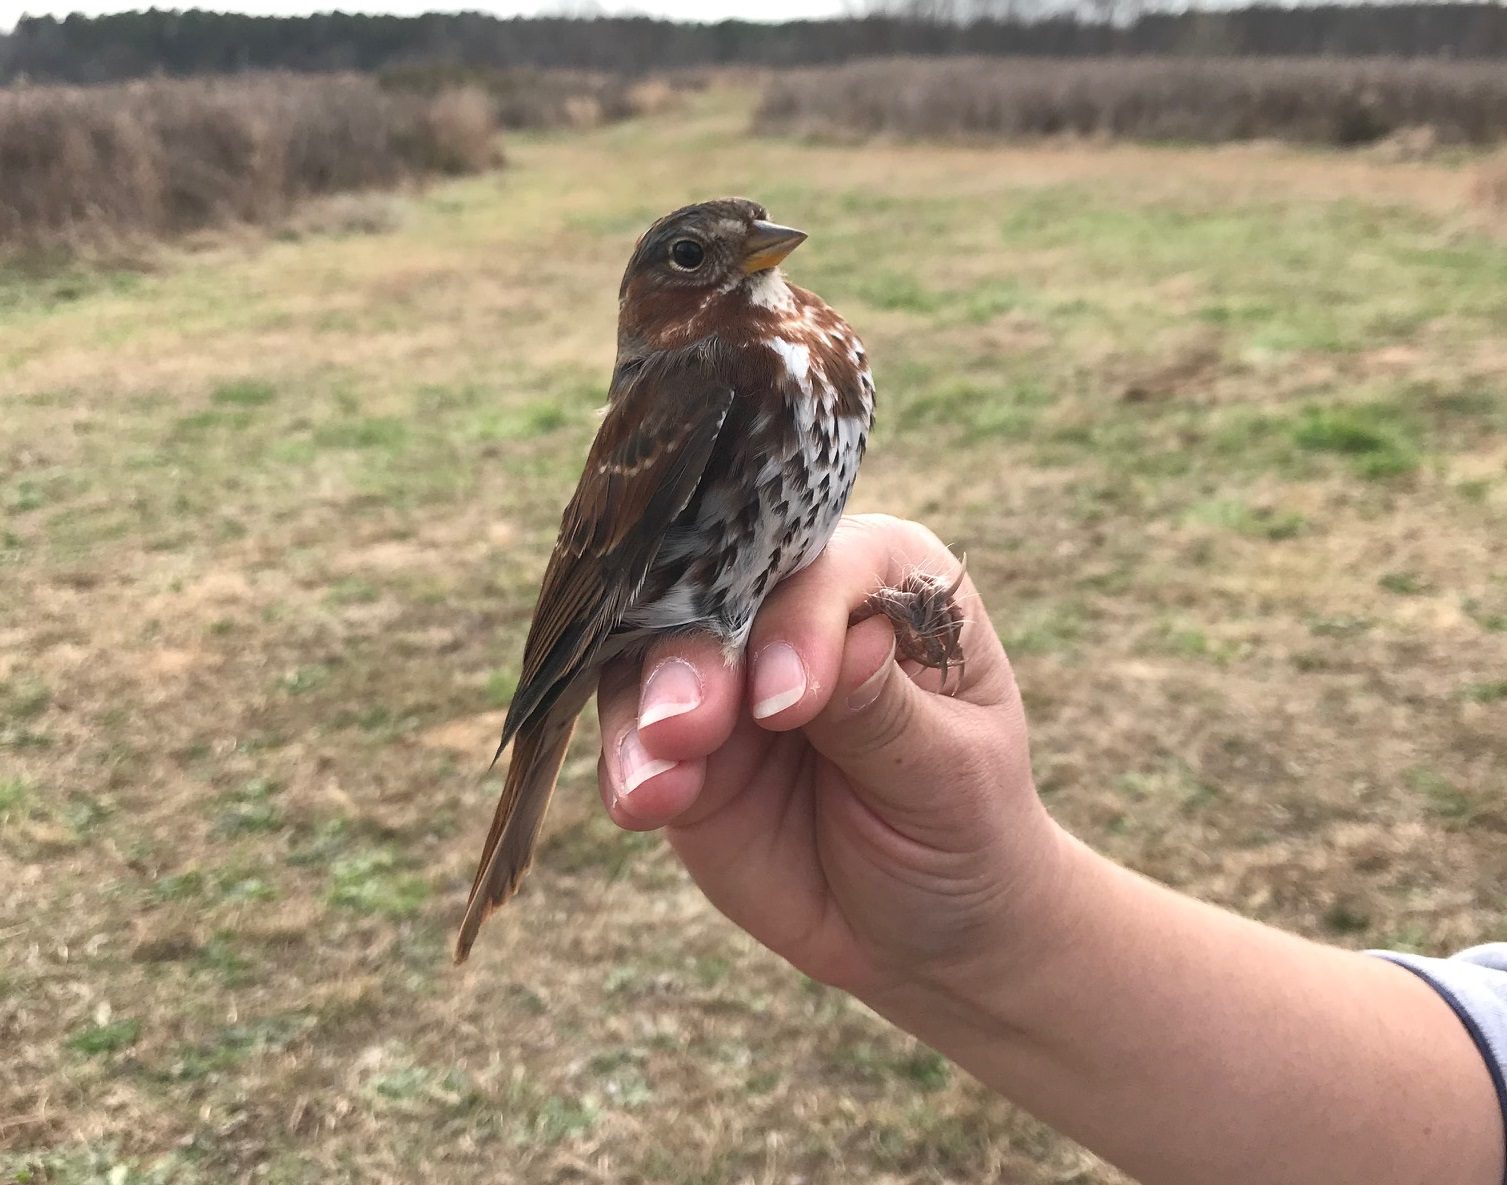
(692, 261)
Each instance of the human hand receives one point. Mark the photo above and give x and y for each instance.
(887, 839)
(867, 828)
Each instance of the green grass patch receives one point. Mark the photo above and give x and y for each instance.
(531, 420)
(594, 845)
(550, 1118)
(373, 882)
(245, 393)
(1255, 522)
(43, 284)
(304, 679)
(96, 1165)
(501, 685)
(249, 809)
(353, 592)
(1170, 781)
(14, 794)
(1043, 628)
(1444, 798)
(240, 886)
(179, 886)
(323, 843)
(618, 1075)
(918, 1068)
(49, 822)
(221, 961)
(1490, 692)
(1283, 276)
(991, 299)
(111, 1037)
(1490, 615)
(235, 1045)
(24, 496)
(363, 432)
(1405, 584)
(976, 408)
(1340, 625)
(1347, 918)
(1457, 806)
(1186, 640)
(898, 292)
(1372, 438)
(212, 420)
(412, 1088)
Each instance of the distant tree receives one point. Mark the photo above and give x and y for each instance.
(192, 41)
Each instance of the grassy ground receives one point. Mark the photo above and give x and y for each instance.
(1224, 434)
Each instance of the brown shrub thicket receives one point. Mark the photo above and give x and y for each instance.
(1491, 186)
(1307, 100)
(527, 98)
(84, 165)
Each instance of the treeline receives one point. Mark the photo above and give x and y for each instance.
(179, 43)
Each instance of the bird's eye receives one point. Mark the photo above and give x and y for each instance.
(687, 255)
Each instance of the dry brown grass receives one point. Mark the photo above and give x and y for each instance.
(1313, 101)
(1222, 434)
(82, 165)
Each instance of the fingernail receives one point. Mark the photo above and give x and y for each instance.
(672, 689)
(868, 691)
(637, 766)
(779, 680)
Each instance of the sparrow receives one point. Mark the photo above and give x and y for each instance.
(739, 409)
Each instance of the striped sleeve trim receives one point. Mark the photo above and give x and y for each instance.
(1475, 988)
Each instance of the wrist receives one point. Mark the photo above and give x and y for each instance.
(1019, 956)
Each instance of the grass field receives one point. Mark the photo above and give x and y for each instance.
(1223, 433)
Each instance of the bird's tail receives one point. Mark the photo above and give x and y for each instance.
(538, 751)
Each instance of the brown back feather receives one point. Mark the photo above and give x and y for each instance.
(643, 469)
(644, 465)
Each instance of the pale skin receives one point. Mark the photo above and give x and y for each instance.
(888, 840)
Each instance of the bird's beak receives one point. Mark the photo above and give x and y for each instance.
(767, 244)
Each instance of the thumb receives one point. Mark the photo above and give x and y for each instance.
(928, 765)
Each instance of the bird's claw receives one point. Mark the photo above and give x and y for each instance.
(927, 618)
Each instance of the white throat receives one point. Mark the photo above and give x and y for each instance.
(768, 290)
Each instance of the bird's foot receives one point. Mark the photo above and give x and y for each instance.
(927, 618)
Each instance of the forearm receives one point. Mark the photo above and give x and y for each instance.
(1190, 1046)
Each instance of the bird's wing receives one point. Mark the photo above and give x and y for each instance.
(643, 468)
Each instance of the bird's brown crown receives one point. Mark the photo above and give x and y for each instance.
(692, 260)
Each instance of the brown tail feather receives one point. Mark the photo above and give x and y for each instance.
(538, 751)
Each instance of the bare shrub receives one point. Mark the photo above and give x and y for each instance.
(1491, 186)
(526, 97)
(455, 131)
(64, 161)
(1315, 101)
(84, 165)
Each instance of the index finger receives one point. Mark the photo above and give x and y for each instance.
(796, 648)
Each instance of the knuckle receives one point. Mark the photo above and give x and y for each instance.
(904, 536)
(881, 529)
(925, 540)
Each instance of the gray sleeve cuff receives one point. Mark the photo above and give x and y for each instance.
(1474, 984)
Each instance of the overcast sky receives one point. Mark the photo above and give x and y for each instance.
(706, 10)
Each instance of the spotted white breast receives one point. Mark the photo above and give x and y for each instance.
(786, 461)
